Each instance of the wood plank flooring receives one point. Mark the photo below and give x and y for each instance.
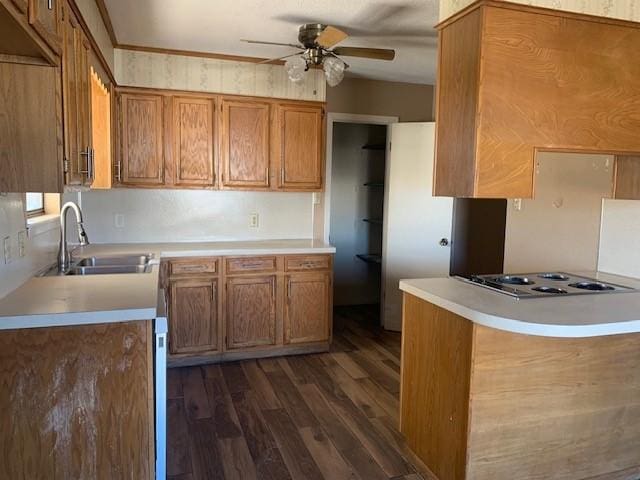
(326, 416)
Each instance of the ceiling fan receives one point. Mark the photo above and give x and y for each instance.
(318, 47)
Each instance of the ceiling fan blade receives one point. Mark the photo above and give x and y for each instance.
(273, 43)
(330, 36)
(272, 60)
(374, 53)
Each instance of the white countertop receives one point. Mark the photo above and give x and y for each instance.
(76, 300)
(570, 316)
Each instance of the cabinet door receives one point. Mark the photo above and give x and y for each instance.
(21, 5)
(193, 316)
(245, 144)
(71, 34)
(301, 146)
(142, 153)
(84, 109)
(30, 129)
(251, 311)
(193, 141)
(307, 308)
(44, 16)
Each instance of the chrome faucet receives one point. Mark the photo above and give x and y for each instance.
(64, 258)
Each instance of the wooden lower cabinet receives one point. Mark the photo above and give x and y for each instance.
(193, 309)
(77, 402)
(306, 313)
(237, 307)
(251, 311)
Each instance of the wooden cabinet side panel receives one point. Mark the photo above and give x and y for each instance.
(306, 317)
(301, 146)
(562, 95)
(250, 311)
(434, 395)
(142, 139)
(193, 145)
(245, 143)
(76, 402)
(457, 106)
(30, 129)
(627, 179)
(559, 408)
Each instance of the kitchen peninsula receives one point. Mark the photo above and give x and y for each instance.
(537, 388)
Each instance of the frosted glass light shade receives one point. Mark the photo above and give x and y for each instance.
(295, 68)
(333, 70)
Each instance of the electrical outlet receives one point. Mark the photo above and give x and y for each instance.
(254, 220)
(22, 242)
(7, 249)
(118, 220)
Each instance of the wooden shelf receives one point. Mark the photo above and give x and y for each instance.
(374, 184)
(374, 146)
(375, 221)
(374, 258)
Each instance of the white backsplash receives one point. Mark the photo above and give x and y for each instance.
(179, 72)
(194, 215)
(41, 246)
(623, 9)
(620, 238)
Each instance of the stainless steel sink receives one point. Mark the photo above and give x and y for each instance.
(120, 260)
(110, 269)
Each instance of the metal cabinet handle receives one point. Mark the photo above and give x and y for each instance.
(251, 265)
(86, 153)
(92, 165)
(50, 4)
(119, 171)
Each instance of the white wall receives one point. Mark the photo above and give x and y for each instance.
(194, 215)
(559, 229)
(41, 247)
(624, 9)
(620, 238)
(159, 70)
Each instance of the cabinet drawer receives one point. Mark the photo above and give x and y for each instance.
(193, 266)
(307, 262)
(251, 264)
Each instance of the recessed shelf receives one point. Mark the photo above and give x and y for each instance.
(374, 146)
(375, 221)
(374, 258)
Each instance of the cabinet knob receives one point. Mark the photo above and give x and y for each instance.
(444, 242)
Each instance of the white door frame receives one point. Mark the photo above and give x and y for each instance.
(345, 118)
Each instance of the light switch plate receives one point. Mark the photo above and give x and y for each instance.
(118, 220)
(254, 220)
(22, 242)
(6, 245)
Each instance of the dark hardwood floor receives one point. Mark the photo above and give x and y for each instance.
(323, 416)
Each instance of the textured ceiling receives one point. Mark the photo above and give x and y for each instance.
(218, 25)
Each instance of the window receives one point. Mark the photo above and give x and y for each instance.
(34, 204)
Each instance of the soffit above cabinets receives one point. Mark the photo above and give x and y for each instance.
(205, 26)
(515, 80)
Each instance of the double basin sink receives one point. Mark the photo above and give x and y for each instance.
(104, 265)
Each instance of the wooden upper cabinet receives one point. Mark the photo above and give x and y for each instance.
(307, 317)
(514, 80)
(76, 95)
(193, 144)
(193, 311)
(300, 145)
(30, 129)
(21, 5)
(250, 311)
(245, 143)
(44, 16)
(141, 136)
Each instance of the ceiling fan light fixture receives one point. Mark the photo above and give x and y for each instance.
(333, 70)
(295, 68)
